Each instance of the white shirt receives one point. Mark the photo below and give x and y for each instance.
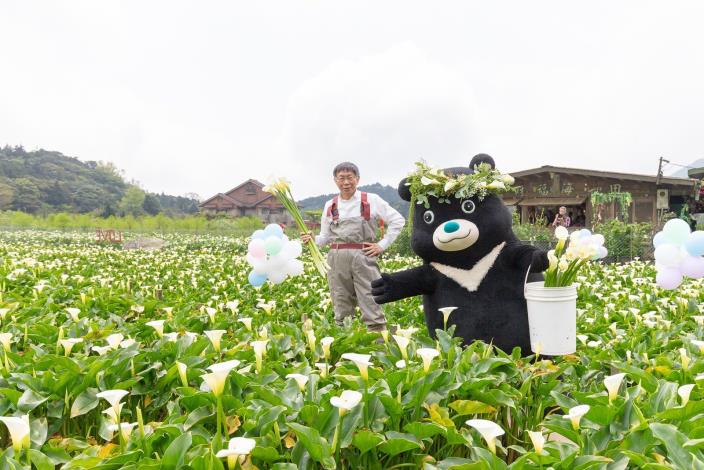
(351, 207)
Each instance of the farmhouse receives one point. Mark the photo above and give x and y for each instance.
(591, 195)
(247, 199)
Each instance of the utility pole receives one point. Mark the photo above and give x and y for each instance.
(657, 179)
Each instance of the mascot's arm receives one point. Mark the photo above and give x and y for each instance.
(524, 256)
(403, 284)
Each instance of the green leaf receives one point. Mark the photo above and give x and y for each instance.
(366, 440)
(30, 400)
(471, 407)
(424, 430)
(198, 415)
(674, 442)
(317, 447)
(265, 453)
(397, 442)
(84, 402)
(175, 453)
(41, 461)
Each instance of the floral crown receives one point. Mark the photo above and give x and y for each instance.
(427, 181)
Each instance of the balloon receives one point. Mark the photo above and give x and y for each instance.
(695, 243)
(259, 234)
(273, 230)
(693, 266)
(292, 249)
(294, 267)
(677, 230)
(277, 277)
(273, 245)
(598, 239)
(669, 278)
(278, 261)
(260, 266)
(603, 252)
(668, 255)
(256, 279)
(660, 238)
(256, 248)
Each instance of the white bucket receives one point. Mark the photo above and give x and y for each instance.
(552, 318)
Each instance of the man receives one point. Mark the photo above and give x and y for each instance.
(562, 219)
(348, 224)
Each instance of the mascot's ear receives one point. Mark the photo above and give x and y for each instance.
(481, 158)
(404, 191)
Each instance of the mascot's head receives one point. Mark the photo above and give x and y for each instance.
(456, 230)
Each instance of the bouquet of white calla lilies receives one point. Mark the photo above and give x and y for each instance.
(571, 253)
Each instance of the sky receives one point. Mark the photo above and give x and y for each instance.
(198, 96)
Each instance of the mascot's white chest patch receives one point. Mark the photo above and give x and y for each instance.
(471, 278)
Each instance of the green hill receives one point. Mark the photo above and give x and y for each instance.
(387, 193)
(43, 181)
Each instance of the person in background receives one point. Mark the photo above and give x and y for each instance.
(562, 219)
(349, 224)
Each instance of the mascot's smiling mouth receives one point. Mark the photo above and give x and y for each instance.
(455, 235)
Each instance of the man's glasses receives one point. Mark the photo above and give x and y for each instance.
(345, 179)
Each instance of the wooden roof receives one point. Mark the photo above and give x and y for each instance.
(606, 174)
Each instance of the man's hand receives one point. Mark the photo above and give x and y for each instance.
(306, 237)
(372, 249)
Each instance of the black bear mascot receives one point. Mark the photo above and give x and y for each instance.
(471, 259)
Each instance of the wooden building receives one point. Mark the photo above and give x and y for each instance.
(541, 191)
(247, 199)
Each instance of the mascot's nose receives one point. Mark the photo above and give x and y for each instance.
(451, 226)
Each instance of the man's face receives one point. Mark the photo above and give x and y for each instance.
(346, 182)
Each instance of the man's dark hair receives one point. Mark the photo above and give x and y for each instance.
(346, 166)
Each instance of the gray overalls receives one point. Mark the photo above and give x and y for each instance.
(351, 271)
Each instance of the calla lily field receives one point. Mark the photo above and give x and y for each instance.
(170, 359)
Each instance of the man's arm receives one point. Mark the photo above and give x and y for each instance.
(324, 237)
(393, 220)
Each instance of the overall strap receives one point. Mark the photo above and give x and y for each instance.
(365, 210)
(332, 210)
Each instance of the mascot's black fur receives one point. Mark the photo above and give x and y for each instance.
(472, 261)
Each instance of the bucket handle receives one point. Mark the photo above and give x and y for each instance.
(525, 282)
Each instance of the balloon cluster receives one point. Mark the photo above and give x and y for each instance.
(586, 245)
(273, 256)
(678, 253)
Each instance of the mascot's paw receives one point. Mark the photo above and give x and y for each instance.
(381, 289)
(540, 261)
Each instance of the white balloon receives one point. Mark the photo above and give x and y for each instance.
(277, 277)
(294, 267)
(293, 249)
(668, 255)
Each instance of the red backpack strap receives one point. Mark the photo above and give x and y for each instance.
(332, 210)
(365, 210)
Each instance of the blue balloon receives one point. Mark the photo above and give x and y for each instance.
(259, 234)
(274, 230)
(695, 243)
(257, 280)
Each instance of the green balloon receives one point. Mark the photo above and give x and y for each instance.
(273, 245)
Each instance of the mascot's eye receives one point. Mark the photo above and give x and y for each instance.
(428, 217)
(468, 206)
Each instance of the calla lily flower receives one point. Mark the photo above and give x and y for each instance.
(218, 376)
(362, 363)
(401, 364)
(538, 440)
(125, 429)
(247, 322)
(684, 391)
(114, 340)
(699, 345)
(325, 343)
(101, 350)
(224, 366)
(346, 401)
(263, 333)
(406, 332)
(427, 354)
(113, 397)
(561, 233)
(232, 305)
(300, 379)
(402, 343)
(310, 336)
(323, 366)
(489, 431)
(259, 352)
(237, 448)
(182, 369)
(684, 358)
(113, 417)
(6, 340)
(612, 384)
(214, 336)
(73, 313)
(575, 415)
(18, 426)
(171, 337)
(3, 313)
(69, 343)
(158, 326)
(127, 343)
(446, 311)
(211, 313)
